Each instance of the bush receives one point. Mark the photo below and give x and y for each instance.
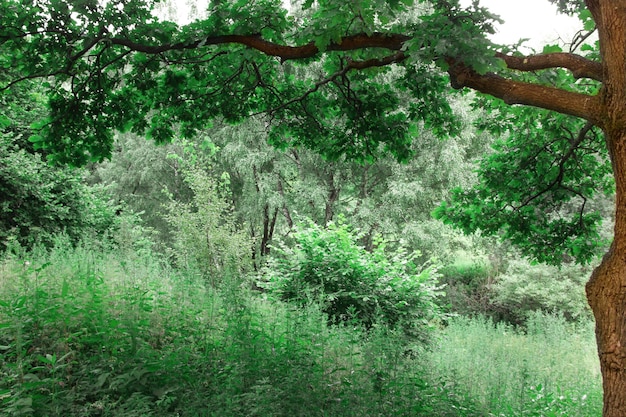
(38, 201)
(329, 267)
(469, 285)
(524, 288)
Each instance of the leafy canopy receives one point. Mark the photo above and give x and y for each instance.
(321, 72)
(354, 79)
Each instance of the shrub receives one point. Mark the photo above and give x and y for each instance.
(352, 284)
(39, 201)
(524, 288)
(469, 285)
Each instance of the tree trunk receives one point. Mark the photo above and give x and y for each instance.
(269, 222)
(606, 293)
(333, 195)
(606, 290)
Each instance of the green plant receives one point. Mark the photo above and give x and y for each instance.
(524, 288)
(549, 370)
(207, 237)
(468, 286)
(39, 201)
(352, 284)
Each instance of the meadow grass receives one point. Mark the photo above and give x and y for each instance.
(89, 331)
(550, 368)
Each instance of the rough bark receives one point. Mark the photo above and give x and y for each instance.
(516, 92)
(606, 290)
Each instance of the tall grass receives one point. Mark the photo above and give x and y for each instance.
(96, 332)
(551, 369)
(91, 332)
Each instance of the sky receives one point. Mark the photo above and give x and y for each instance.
(534, 19)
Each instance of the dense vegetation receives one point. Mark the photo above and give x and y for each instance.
(277, 254)
(176, 306)
(93, 331)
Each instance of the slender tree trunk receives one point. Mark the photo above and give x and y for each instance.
(286, 213)
(606, 292)
(269, 222)
(333, 195)
(254, 250)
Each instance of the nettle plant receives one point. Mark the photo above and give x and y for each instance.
(328, 266)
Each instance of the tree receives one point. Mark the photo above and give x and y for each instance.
(321, 75)
(271, 188)
(142, 178)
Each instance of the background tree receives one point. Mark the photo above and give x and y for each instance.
(142, 178)
(115, 66)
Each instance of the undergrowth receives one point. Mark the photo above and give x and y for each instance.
(95, 332)
(548, 369)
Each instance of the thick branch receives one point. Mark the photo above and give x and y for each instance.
(285, 52)
(579, 66)
(512, 92)
(516, 92)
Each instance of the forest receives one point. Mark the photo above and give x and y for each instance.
(325, 208)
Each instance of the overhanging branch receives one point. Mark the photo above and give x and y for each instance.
(516, 92)
(351, 65)
(579, 66)
(512, 92)
(285, 52)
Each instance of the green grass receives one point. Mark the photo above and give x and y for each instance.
(551, 369)
(93, 332)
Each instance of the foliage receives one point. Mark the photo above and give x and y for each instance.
(509, 289)
(353, 285)
(89, 332)
(354, 81)
(207, 238)
(141, 177)
(538, 186)
(191, 78)
(38, 201)
(270, 187)
(469, 286)
(549, 370)
(523, 288)
(331, 77)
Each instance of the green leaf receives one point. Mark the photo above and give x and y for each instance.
(4, 121)
(549, 49)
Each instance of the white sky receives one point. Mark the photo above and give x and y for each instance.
(534, 19)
